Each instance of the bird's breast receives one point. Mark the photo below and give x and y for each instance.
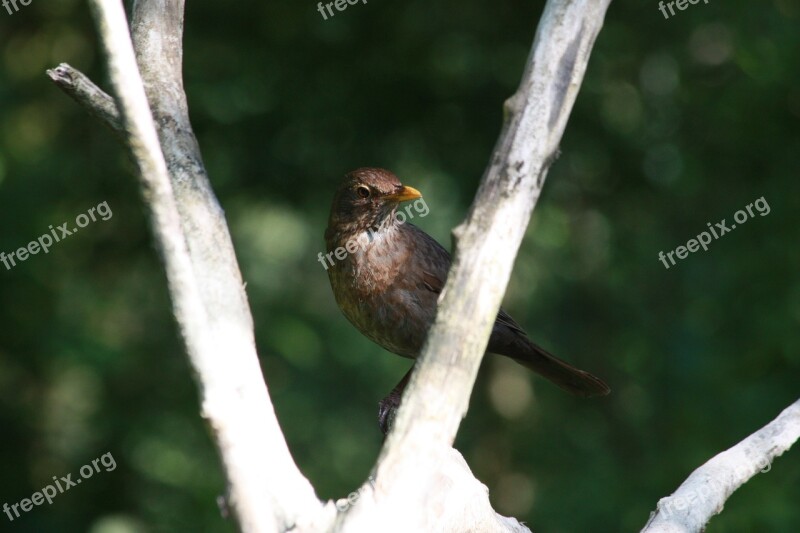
(372, 289)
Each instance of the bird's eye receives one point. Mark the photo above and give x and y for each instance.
(363, 192)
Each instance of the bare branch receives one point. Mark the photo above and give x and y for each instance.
(422, 484)
(705, 491)
(418, 471)
(454, 501)
(268, 493)
(486, 244)
(91, 97)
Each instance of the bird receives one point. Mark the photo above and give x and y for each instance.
(386, 275)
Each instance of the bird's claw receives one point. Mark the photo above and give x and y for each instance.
(387, 410)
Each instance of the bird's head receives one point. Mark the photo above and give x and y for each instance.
(366, 198)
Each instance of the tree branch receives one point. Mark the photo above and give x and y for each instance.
(91, 97)
(705, 491)
(422, 484)
(407, 476)
(417, 470)
(267, 491)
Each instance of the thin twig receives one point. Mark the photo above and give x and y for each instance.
(90, 97)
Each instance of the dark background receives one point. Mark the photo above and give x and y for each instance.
(679, 122)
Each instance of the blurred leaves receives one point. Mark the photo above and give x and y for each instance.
(680, 122)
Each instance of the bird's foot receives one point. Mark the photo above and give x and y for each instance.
(387, 410)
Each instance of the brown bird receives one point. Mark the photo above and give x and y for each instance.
(386, 275)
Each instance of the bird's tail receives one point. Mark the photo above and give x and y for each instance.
(561, 373)
(510, 340)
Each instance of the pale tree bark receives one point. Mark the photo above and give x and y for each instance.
(703, 494)
(267, 491)
(420, 483)
(408, 473)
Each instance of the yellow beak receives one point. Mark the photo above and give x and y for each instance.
(406, 193)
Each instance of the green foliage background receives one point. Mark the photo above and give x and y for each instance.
(680, 122)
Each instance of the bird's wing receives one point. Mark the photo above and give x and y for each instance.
(507, 338)
(433, 259)
(435, 266)
(435, 263)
